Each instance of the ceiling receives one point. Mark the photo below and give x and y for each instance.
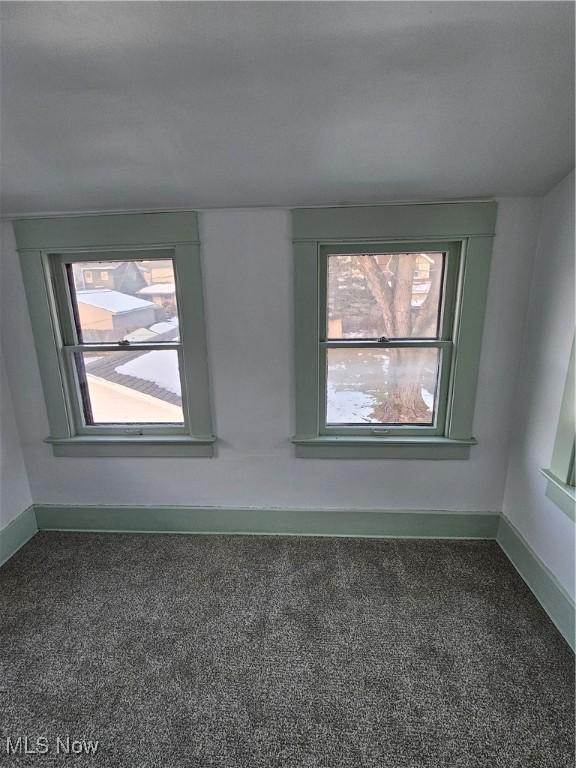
(116, 106)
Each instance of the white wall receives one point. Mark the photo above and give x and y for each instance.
(548, 337)
(15, 494)
(247, 262)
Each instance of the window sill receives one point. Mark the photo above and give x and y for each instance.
(168, 446)
(331, 447)
(564, 496)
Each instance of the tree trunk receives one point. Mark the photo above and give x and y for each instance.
(403, 402)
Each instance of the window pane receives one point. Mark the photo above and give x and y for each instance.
(124, 300)
(396, 295)
(131, 387)
(382, 386)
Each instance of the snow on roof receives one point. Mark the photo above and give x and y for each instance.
(159, 366)
(113, 301)
(158, 289)
(165, 326)
(141, 334)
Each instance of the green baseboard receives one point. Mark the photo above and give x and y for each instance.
(375, 523)
(17, 533)
(251, 520)
(543, 584)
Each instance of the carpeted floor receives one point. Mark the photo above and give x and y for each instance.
(271, 652)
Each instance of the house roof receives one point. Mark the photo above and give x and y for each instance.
(115, 302)
(141, 334)
(158, 289)
(154, 373)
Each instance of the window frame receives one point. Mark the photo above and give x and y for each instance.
(467, 230)
(560, 475)
(45, 247)
(443, 343)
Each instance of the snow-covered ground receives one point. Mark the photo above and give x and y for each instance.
(357, 383)
(348, 406)
(352, 406)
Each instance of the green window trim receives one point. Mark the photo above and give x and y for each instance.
(44, 244)
(465, 232)
(560, 476)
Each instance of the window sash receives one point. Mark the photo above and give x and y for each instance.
(70, 343)
(444, 342)
(451, 249)
(438, 425)
(130, 428)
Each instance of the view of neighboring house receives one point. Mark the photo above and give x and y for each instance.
(133, 301)
(103, 313)
(159, 271)
(162, 294)
(132, 384)
(124, 276)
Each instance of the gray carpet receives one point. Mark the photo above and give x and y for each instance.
(239, 652)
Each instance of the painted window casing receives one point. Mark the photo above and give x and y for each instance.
(560, 476)
(464, 231)
(44, 245)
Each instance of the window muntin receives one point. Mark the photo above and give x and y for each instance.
(386, 337)
(123, 353)
(561, 474)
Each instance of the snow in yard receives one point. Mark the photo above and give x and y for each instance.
(351, 406)
(159, 366)
(428, 398)
(347, 406)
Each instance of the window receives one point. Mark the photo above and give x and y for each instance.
(88, 276)
(104, 275)
(561, 475)
(386, 345)
(122, 374)
(389, 311)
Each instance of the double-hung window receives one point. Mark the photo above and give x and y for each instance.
(561, 474)
(116, 308)
(389, 310)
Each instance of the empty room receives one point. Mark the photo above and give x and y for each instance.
(287, 426)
